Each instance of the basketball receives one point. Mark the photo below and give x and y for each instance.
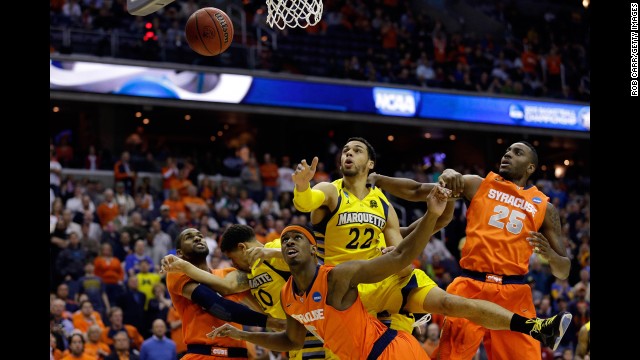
(209, 31)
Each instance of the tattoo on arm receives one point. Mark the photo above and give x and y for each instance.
(555, 221)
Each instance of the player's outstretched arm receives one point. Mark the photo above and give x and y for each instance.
(222, 308)
(305, 198)
(548, 243)
(290, 339)
(377, 269)
(402, 188)
(235, 281)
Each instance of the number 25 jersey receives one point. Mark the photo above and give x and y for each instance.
(499, 219)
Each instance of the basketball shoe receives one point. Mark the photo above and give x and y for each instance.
(550, 331)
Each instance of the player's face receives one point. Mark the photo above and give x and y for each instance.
(515, 162)
(355, 159)
(296, 248)
(193, 244)
(239, 258)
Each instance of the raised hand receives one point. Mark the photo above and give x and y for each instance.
(304, 173)
(437, 199)
(452, 180)
(172, 263)
(540, 244)
(262, 253)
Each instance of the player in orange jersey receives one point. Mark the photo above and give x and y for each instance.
(197, 303)
(506, 222)
(324, 300)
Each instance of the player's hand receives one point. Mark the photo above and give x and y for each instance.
(262, 253)
(540, 244)
(172, 263)
(372, 178)
(437, 200)
(453, 181)
(225, 330)
(304, 173)
(387, 249)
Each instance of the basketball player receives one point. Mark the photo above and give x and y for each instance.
(266, 278)
(503, 221)
(196, 303)
(583, 349)
(352, 222)
(351, 215)
(324, 299)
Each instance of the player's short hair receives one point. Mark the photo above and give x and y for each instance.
(370, 150)
(534, 153)
(234, 235)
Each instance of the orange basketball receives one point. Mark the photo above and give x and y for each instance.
(209, 31)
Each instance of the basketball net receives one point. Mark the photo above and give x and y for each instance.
(293, 13)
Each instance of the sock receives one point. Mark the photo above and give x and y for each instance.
(521, 324)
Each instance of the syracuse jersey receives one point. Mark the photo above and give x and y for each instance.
(196, 322)
(267, 278)
(349, 333)
(353, 229)
(499, 219)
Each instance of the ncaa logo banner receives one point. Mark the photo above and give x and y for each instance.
(395, 102)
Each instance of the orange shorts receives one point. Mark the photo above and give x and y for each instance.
(461, 338)
(404, 346)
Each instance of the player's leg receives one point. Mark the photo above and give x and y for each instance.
(467, 335)
(384, 300)
(490, 315)
(481, 312)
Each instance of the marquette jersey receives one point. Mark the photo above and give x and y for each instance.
(353, 228)
(499, 219)
(350, 334)
(266, 281)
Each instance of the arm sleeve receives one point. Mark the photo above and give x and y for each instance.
(226, 310)
(308, 200)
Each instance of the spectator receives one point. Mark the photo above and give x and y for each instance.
(92, 285)
(70, 261)
(94, 346)
(269, 175)
(158, 346)
(125, 174)
(116, 320)
(76, 348)
(132, 304)
(86, 317)
(159, 241)
(109, 269)
(122, 348)
(132, 261)
(146, 281)
(109, 209)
